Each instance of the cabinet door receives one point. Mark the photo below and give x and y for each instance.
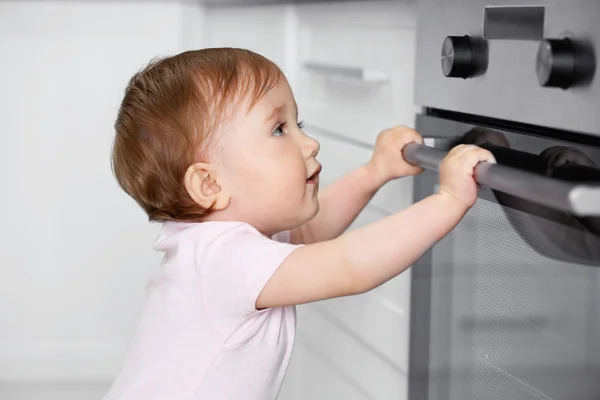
(347, 358)
(313, 376)
(356, 67)
(356, 346)
(340, 157)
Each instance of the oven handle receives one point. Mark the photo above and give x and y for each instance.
(579, 199)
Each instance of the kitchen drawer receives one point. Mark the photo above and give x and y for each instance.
(377, 322)
(374, 375)
(379, 317)
(396, 292)
(357, 68)
(340, 157)
(313, 376)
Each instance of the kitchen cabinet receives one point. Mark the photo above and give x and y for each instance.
(337, 353)
(363, 339)
(356, 67)
(312, 375)
(342, 156)
(351, 68)
(252, 3)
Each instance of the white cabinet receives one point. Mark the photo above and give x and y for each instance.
(349, 363)
(356, 68)
(311, 375)
(378, 319)
(351, 69)
(340, 157)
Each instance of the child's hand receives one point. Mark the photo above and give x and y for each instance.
(457, 173)
(387, 162)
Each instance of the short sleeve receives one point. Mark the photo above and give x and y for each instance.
(236, 269)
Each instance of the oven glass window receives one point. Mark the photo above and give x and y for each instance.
(515, 308)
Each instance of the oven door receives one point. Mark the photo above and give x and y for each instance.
(506, 306)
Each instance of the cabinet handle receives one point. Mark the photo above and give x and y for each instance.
(580, 199)
(367, 75)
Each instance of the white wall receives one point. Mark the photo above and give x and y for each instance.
(75, 251)
(269, 30)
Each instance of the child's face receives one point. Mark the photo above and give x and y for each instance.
(265, 162)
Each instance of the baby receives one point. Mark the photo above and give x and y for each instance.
(208, 143)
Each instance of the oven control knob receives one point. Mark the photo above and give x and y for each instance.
(556, 62)
(457, 57)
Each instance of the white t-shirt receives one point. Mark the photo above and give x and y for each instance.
(199, 335)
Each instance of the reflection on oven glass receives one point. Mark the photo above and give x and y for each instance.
(524, 325)
(553, 233)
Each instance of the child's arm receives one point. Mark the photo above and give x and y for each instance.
(369, 256)
(344, 199)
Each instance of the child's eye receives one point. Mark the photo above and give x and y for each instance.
(278, 131)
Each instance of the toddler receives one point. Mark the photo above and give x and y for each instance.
(208, 143)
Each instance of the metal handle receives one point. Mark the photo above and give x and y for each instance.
(358, 73)
(579, 199)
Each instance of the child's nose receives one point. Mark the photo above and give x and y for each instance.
(311, 147)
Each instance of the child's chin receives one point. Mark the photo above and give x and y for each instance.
(308, 212)
(314, 211)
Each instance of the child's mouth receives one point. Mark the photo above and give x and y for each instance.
(314, 178)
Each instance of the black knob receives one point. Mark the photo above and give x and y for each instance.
(457, 57)
(555, 63)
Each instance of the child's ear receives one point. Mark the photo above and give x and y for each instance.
(203, 187)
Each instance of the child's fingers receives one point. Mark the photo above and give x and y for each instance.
(416, 137)
(410, 137)
(460, 150)
(474, 155)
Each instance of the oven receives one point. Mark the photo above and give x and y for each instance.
(507, 306)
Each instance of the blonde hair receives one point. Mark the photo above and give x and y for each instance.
(169, 111)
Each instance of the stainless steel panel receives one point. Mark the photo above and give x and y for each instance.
(506, 86)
